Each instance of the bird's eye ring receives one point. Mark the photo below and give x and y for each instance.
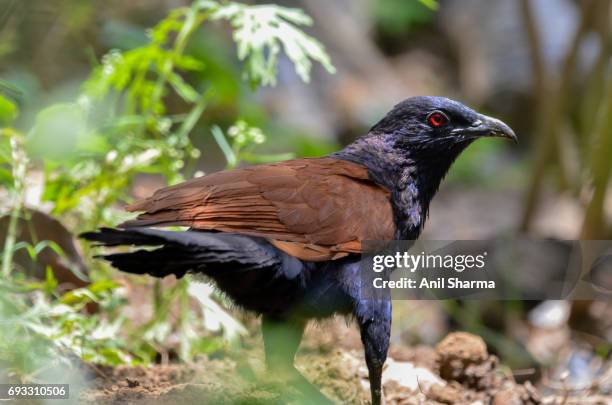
(437, 119)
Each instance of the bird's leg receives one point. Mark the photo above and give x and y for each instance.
(374, 318)
(281, 341)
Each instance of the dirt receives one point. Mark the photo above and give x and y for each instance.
(473, 374)
(458, 371)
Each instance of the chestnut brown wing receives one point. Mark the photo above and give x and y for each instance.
(313, 209)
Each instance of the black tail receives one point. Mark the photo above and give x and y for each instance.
(187, 251)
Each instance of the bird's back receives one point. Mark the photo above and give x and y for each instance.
(313, 209)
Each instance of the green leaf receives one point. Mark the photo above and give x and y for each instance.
(189, 63)
(8, 111)
(261, 31)
(56, 131)
(102, 286)
(50, 280)
(77, 297)
(230, 157)
(6, 177)
(397, 17)
(431, 4)
(182, 88)
(93, 142)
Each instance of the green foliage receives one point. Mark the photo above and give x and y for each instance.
(41, 326)
(16, 162)
(396, 17)
(6, 167)
(8, 111)
(126, 95)
(244, 138)
(261, 31)
(58, 132)
(120, 124)
(431, 4)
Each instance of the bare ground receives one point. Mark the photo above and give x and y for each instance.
(458, 371)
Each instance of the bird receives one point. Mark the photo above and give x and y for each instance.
(284, 240)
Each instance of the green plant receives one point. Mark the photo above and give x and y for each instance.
(90, 149)
(396, 17)
(261, 31)
(11, 150)
(244, 137)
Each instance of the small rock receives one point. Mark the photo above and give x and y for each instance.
(409, 376)
(550, 314)
(463, 346)
(507, 397)
(461, 356)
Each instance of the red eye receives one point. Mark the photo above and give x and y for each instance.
(437, 119)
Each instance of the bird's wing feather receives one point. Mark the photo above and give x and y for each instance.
(314, 209)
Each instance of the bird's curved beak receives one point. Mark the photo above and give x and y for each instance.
(486, 126)
(489, 126)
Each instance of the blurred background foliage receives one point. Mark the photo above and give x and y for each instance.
(134, 113)
(102, 102)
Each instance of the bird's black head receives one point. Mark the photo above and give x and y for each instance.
(436, 124)
(424, 134)
(412, 148)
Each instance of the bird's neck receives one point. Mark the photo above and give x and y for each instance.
(412, 177)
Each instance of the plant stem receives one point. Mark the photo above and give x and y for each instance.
(227, 150)
(185, 349)
(594, 221)
(182, 38)
(194, 115)
(9, 242)
(158, 300)
(19, 170)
